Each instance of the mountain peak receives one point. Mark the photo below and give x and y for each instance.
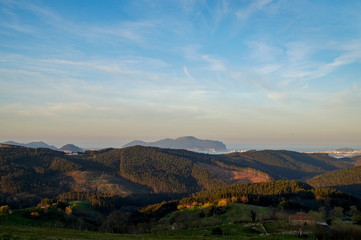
(71, 148)
(186, 137)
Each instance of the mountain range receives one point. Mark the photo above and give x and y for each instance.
(32, 145)
(67, 147)
(188, 143)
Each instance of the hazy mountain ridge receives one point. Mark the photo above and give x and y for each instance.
(189, 143)
(71, 148)
(40, 144)
(32, 145)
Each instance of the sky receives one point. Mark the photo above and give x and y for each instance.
(268, 73)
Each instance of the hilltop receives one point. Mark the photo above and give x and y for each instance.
(71, 148)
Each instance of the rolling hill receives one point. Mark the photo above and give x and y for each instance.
(347, 180)
(159, 169)
(119, 182)
(282, 164)
(33, 173)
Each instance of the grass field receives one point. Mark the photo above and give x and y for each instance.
(235, 223)
(17, 219)
(38, 233)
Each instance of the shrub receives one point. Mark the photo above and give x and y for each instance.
(217, 231)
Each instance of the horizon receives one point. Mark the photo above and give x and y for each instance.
(229, 146)
(247, 73)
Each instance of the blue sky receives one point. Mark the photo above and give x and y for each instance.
(103, 73)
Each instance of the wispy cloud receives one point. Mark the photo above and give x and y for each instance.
(254, 6)
(117, 31)
(214, 63)
(301, 64)
(191, 52)
(186, 72)
(263, 52)
(133, 31)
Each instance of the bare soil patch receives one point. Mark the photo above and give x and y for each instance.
(234, 176)
(102, 182)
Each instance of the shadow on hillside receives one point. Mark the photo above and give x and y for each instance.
(353, 189)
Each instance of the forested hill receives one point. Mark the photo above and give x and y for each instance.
(290, 194)
(163, 170)
(346, 180)
(36, 172)
(29, 173)
(283, 164)
(33, 173)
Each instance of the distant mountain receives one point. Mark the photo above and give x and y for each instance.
(71, 148)
(14, 143)
(189, 143)
(40, 145)
(32, 145)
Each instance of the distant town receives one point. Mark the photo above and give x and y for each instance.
(343, 152)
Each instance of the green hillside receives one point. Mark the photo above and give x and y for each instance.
(346, 180)
(246, 211)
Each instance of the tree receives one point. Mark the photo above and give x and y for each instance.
(217, 231)
(46, 202)
(68, 210)
(5, 210)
